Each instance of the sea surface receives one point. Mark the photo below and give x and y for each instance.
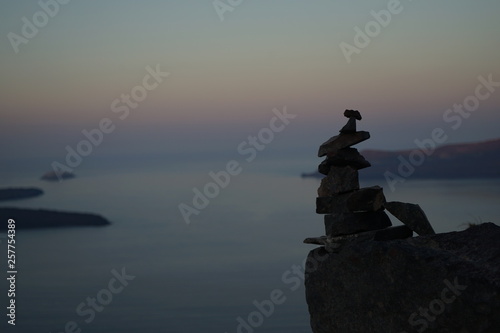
(218, 273)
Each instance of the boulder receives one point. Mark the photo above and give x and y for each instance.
(411, 215)
(435, 283)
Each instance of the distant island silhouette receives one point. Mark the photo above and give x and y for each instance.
(42, 218)
(454, 161)
(54, 176)
(17, 193)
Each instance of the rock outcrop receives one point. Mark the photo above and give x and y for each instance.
(435, 283)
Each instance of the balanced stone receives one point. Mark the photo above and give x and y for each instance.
(343, 157)
(411, 215)
(350, 127)
(343, 140)
(352, 114)
(368, 199)
(339, 180)
(332, 204)
(351, 223)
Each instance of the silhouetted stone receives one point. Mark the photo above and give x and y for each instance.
(397, 232)
(350, 127)
(322, 240)
(343, 140)
(348, 156)
(368, 199)
(332, 204)
(350, 223)
(343, 157)
(339, 180)
(352, 114)
(411, 215)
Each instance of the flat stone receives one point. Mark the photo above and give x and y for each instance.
(343, 140)
(352, 223)
(322, 240)
(339, 180)
(332, 204)
(350, 127)
(352, 114)
(368, 199)
(344, 157)
(397, 232)
(411, 215)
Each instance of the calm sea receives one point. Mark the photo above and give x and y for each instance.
(211, 275)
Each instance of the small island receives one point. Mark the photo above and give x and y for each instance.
(57, 176)
(17, 193)
(42, 218)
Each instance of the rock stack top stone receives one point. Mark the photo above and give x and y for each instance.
(348, 136)
(352, 212)
(352, 114)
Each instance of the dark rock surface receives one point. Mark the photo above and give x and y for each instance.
(436, 283)
(397, 232)
(339, 180)
(18, 193)
(41, 218)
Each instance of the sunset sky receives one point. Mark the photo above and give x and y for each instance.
(227, 75)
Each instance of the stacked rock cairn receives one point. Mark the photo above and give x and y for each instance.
(352, 212)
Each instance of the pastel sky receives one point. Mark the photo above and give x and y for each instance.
(226, 76)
